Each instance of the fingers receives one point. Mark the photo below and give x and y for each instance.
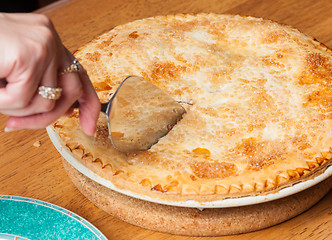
(71, 90)
(89, 105)
(33, 57)
(37, 104)
(76, 86)
(20, 87)
(31, 53)
(32, 18)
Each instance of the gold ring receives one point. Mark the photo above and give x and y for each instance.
(74, 67)
(50, 93)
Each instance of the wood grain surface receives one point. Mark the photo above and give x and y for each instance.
(37, 172)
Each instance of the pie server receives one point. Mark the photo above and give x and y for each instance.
(139, 114)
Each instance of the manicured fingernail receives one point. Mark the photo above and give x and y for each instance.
(7, 129)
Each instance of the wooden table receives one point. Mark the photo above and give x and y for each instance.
(34, 172)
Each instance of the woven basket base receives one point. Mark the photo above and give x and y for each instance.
(192, 221)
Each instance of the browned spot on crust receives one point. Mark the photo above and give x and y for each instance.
(158, 188)
(279, 55)
(74, 114)
(193, 178)
(275, 36)
(319, 65)
(98, 160)
(57, 125)
(94, 57)
(118, 172)
(217, 29)
(160, 71)
(281, 179)
(102, 86)
(187, 26)
(87, 156)
(167, 69)
(146, 182)
(257, 124)
(320, 74)
(301, 142)
(171, 186)
(202, 151)
(259, 153)
(301, 171)
(270, 61)
(312, 165)
(186, 91)
(134, 34)
(293, 174)
(213, 169)
(107, 42)
(262, 99)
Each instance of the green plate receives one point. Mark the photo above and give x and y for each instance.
(25, 218)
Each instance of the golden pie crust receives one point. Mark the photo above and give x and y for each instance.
(258, 100)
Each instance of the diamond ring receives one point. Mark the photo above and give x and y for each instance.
(74, 67)
(50, 93)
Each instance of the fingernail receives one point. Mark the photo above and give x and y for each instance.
(7, 129)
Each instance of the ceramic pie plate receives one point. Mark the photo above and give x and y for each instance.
(224, 203)
(24, 218)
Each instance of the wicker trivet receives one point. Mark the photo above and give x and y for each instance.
(192, 221)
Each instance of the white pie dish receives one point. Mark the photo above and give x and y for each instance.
(224, 203)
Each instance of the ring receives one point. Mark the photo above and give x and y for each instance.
(74, 67)
(50, 93)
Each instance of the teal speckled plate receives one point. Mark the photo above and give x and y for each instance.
(25, 218)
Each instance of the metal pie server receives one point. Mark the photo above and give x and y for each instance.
(139, 114)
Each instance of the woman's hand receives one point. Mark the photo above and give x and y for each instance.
(32, 55)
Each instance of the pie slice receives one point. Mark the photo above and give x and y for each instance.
(258, 100)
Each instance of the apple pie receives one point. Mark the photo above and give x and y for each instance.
(258, 101)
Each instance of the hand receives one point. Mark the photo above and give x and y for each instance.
(32, 55)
